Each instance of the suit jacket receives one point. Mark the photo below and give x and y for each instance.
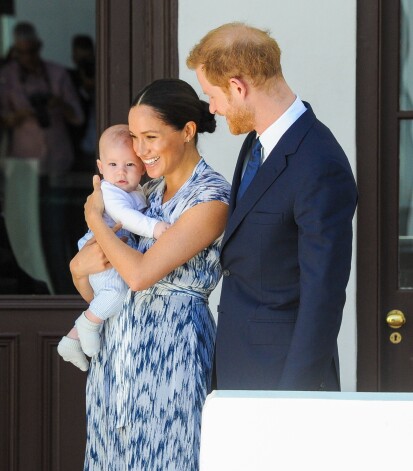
(286, 257)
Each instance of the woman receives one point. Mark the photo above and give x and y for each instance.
(147, 386)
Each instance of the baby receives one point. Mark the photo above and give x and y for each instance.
(124, 200)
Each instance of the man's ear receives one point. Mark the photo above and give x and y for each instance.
(238, 87)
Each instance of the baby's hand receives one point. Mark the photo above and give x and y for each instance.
(160, 228)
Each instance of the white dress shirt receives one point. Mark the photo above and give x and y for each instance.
(270, 137)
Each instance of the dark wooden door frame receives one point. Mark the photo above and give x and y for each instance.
(368, 145)
(42, 398)
(376, 99)
(137, 42)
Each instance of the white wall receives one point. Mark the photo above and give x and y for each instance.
(318, 43)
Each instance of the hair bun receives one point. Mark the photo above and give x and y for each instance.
(207, 122)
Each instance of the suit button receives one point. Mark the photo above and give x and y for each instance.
(226, 272)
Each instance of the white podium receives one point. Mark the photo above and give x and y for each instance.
(305, 431)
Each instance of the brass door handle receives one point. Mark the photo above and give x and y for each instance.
(395, 319)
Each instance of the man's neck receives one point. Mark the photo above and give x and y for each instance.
(271, 104)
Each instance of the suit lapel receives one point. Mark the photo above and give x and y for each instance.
(270, 170)
(236, 180)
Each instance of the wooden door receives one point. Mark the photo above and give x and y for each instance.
(42, 399)
(385, 216)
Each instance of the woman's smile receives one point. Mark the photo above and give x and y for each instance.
(150, 161)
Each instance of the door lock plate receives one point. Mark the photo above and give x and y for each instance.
(395, 337)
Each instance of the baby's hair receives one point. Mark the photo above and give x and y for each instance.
(115, 135)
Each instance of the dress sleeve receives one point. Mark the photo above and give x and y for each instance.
(213, 187)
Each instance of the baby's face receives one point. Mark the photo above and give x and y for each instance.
(120, 166)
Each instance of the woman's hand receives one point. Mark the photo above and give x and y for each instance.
(94, 205)
(89, 260)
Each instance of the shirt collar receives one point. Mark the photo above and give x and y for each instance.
(270, 137)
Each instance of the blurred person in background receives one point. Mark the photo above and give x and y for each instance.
(37, 103)
(83, 78)
(37, 100)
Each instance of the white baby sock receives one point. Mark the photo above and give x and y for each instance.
(89, 335)
(70, 350)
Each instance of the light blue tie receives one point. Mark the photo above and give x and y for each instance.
(251, 169)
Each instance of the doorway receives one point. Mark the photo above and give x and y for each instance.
(48, 141)
(385, 179)
(42, 399)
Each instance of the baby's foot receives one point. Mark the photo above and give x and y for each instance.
(70, 350)
(89, 335)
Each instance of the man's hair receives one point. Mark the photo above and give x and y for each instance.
(25, 31)
(237, 50)
(83, 41)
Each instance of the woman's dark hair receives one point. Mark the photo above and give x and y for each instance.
(177, 103)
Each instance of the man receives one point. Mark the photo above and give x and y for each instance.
(286, 252)
(37, 101)
(83, 77)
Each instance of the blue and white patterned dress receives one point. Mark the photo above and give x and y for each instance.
(147, 386)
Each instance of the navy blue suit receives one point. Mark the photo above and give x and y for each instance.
(286, 257)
